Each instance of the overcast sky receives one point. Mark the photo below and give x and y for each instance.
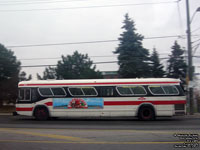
(34, 22)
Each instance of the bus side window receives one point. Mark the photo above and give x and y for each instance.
(34, 94)
(27, 94)
(107, 91)
(21, 94)
(156, 90)
(171, 90)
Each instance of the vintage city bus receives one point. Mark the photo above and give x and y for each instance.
(145, 98)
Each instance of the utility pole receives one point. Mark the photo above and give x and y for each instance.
(190, 64)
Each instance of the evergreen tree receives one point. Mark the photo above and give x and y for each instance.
(76, 66)
(133, 59)
(177, 66)
(49, 73)
(156, 68)
(9, 71)
(22, 76)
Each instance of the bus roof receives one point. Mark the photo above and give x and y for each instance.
(99, 82)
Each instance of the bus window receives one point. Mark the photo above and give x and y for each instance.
(21, 94)
(34, 94)
(107, 91)
(124, 90)
(170, 90)
(156, 90)
(45, 92)
(89, 91)
(138, 90)
(58, 92)
(24, 94)
(131, 90)
(27, 94)
(76, 92)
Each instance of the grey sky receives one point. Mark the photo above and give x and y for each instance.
(90, 24)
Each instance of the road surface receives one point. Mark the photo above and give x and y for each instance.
(18, 133)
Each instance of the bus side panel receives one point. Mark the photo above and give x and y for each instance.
(115, 106)
(164, 110)
(24, 109)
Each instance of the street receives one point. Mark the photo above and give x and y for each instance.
(18, 132)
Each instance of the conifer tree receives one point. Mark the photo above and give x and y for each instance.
(177, 66)
(156, 68)
(133, 58)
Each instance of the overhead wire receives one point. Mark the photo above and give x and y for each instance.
(88, 42)
(196, 29)
(95, 63)
(61, 57)
(84, 7)
(180, 17)
(38, 2)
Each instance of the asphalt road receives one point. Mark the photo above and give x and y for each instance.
(25, 133)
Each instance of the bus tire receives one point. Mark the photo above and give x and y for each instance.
(146, 113)
(41, 113)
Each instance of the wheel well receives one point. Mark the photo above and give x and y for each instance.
(40, 106)
(146, 105)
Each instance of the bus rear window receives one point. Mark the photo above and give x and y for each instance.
(171, 90)
(163, 90)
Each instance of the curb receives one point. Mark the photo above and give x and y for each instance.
(6, 114)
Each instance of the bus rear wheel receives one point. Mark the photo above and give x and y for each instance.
(146, 113)
(41, 113)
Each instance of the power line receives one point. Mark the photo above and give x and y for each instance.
(179, 16)
(100, 6)
(37, 2)
(31, 66)
(195, 48)
(61, 57)
(196, 29)
(196, 41)
(89, 42)
(95, 63)
(53, 44)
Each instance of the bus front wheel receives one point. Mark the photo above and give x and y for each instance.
(146, 113)
(41, 113)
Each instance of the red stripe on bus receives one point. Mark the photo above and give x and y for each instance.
(24, 108)
(49, 104)
(140, 102)
(136, 102)
(115, 103)
(107, 83)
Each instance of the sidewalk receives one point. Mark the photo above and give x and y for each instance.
(196, 115)
(6, 114)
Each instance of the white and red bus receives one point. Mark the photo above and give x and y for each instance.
(143, 98)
